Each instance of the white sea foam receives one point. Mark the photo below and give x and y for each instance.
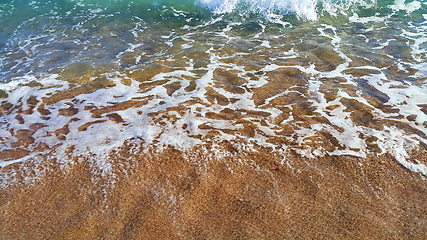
(100, 138)
(409, 7)
(304, 8)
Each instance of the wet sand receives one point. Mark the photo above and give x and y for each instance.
(199, 195)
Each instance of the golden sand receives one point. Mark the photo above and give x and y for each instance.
(193, 195)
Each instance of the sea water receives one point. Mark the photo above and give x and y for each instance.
(313, 77)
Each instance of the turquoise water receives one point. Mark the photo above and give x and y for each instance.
(312, 77)
(42, 36)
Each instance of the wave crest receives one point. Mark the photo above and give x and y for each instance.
(303, 9)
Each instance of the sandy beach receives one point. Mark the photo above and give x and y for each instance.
(241, 195)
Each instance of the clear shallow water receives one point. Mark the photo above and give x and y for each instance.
(315, 78)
